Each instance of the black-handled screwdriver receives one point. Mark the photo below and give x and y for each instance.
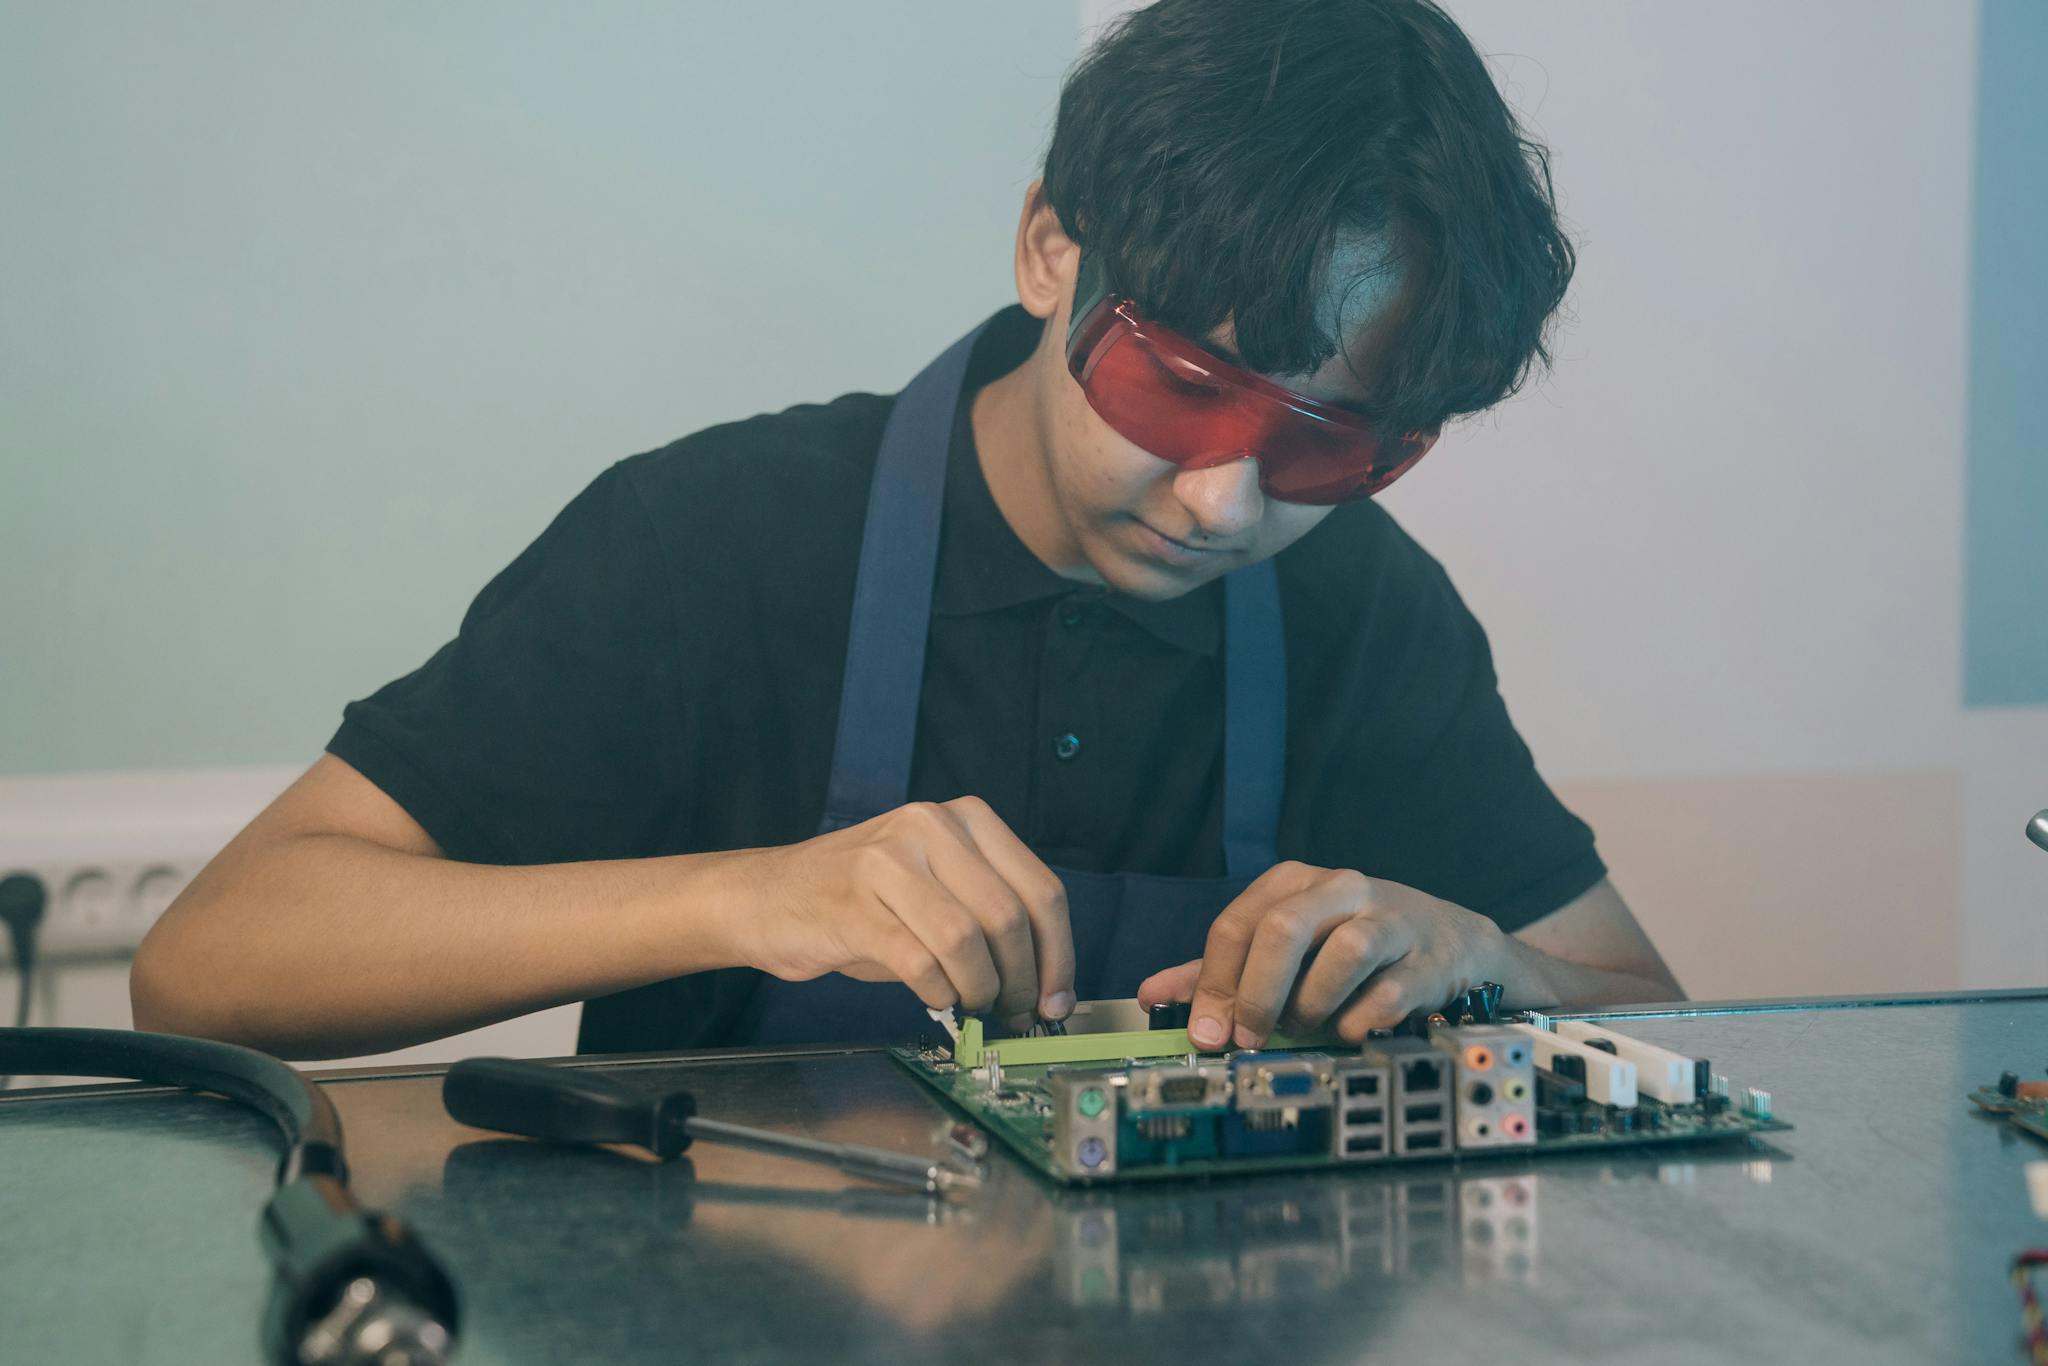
(582, 1105)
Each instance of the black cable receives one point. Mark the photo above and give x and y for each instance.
(23, 899)
(349, 1287)
(312, 1130)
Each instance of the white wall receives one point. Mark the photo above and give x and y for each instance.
(1724, 536)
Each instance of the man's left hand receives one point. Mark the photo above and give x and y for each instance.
(1304, 946)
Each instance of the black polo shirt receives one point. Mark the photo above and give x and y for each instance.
(659, 673)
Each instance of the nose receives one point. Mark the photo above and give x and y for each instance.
(1224, 500)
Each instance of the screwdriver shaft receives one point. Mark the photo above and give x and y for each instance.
(925, 1174)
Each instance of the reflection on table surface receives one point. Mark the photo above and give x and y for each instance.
(1877, 1230)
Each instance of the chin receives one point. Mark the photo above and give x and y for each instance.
(1137, 577)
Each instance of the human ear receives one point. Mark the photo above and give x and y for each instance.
(1047, 259)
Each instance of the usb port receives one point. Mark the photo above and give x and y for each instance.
(1422, 1114)
(1372, 1116)
(1365, 1085)
(1417, 1142)
(1365, 1143)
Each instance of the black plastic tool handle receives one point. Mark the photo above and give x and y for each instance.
(565, 1105)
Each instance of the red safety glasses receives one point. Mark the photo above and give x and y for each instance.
(1163, 393)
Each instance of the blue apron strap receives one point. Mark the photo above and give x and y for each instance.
(892, 597)
(1254, 719)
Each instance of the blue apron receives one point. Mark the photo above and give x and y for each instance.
(1126, 926)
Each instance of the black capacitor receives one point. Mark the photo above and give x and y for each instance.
(2008, 1084)
(1168, 1015)
(1624, 1121)
(1477, 1005)
(1557, 1091)
(1702, 1078)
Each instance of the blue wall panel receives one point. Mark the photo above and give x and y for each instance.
(2005, 536)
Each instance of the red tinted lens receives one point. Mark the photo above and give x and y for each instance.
(1309, 461)
(1168, 397)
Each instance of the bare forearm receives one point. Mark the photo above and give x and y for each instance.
(1538, 979)
(328, 945)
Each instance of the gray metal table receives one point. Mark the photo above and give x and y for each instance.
(1879, 1231)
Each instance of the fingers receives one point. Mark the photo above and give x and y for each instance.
(1349, 954)
(949, 932)
(1255, 948)
(1388, 998)
(1044, 940)
(1170, 985)
(1306, 957)
(998, 918)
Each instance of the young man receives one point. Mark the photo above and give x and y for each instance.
(1083, 666)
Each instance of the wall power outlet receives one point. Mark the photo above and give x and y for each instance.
(99, 908)
(114, 850)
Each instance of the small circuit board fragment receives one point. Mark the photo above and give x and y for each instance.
(2024, 1104)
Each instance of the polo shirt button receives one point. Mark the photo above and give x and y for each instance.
(1070, 614)
(1066, 746)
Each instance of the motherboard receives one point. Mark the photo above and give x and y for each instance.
(1123, 1095)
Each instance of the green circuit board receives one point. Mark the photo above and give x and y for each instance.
(2029, 1112)
(1229, 1114)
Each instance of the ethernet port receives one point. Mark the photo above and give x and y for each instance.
(1421, 1075)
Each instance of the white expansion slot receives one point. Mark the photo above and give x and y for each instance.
(1660, 1073)
(1610, 1080)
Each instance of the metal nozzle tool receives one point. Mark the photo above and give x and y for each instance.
(581, 1105)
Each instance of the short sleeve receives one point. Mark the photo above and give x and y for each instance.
(1469, 817)
(547, 730)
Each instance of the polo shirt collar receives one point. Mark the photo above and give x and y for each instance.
(983, 567)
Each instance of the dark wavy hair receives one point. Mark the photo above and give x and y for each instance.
(1215, 152)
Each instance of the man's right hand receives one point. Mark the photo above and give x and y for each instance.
(938, 895)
